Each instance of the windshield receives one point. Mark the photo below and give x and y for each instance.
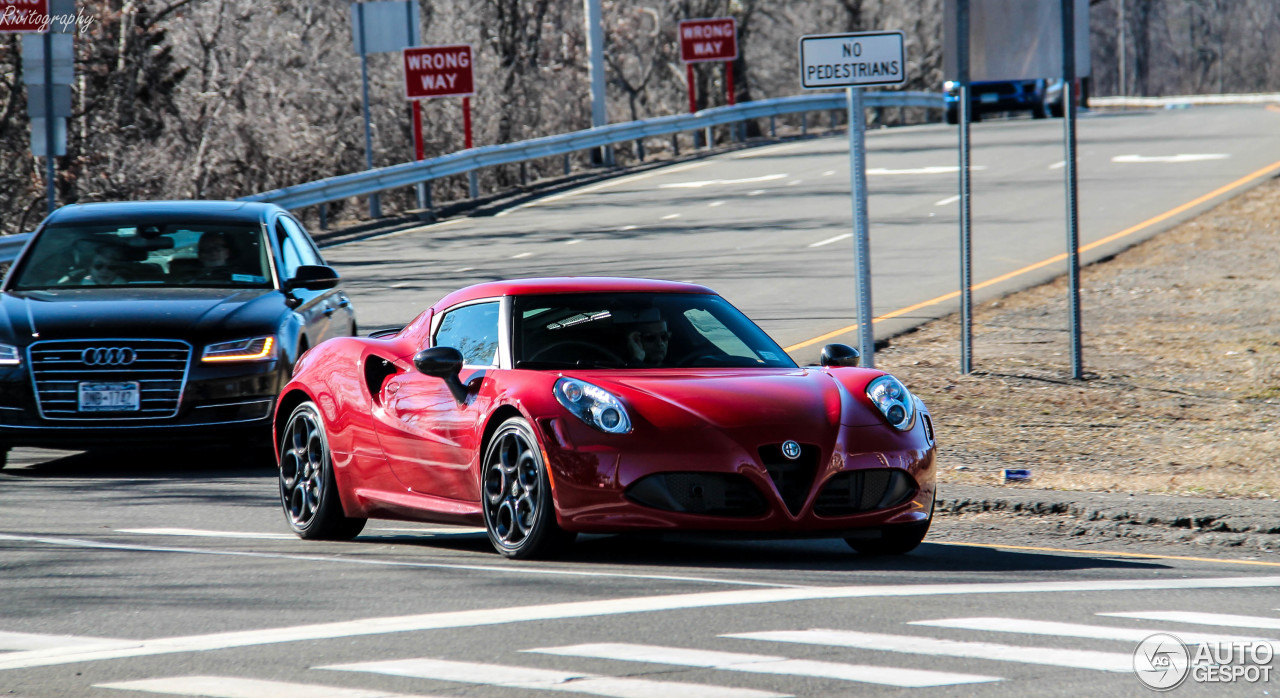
(172, 255)
(638, 330)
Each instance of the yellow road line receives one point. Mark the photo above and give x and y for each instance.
(1111, 553)
(1054, 259)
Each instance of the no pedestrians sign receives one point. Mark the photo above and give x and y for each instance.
(861, 59)
(709, 40)
(438, 71)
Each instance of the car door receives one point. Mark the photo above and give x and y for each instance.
(315, 307)
(337, 306)
(429, 437)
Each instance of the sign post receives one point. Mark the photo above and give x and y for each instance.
(709, 40)
(440, 71)
(48, 56)
(854, 61)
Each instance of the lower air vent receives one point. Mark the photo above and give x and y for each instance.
(793, 478)
(857, 491)
(711, 494)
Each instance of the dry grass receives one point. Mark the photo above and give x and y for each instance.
(1182, 360)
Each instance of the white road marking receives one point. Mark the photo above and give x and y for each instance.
(561, 611)
(462, 269)
(522, 255)
(545, 679)
(1058, 165)
(401, 284)
(10, 641)
(628, 227)
(756, 192)
(766, 664)
(669, 216)
(1119, 662)
(948, 200)
(714, 204)
(828, 173)
(1222, 619)
(713, 182)
(232, 687)
(407, 231)
(1092, 632)
(828, 241)
(1181, 157)
(605, 185)
(198, 533)
(573, 241)
(937, 169)
(794, 182)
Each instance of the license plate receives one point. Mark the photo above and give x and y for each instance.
(109, 397)
(989, 98)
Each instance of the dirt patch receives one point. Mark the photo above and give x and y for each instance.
(1181, 351)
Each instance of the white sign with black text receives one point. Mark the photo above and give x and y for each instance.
(862, 59)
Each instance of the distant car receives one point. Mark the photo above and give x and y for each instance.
(132, 323)
(998, 96)
(541, 408)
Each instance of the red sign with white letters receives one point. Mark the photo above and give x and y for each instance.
(438, 71)
(709, 40)
(24, 16)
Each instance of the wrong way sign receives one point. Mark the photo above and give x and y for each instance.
(860, 59)
(438, 71)
(709, 40)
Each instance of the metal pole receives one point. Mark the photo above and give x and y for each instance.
(375, 208)
(966, 242)
(1123, 91)
(49, 124)
(1073, 231)
(595, 53)
(861, 228)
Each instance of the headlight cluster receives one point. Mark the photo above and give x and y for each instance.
(10, 355)
(593, 405)
(893, 400)
(255, 349)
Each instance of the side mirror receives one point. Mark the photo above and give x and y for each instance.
(444, 363)
(313, 277)
(840, 355)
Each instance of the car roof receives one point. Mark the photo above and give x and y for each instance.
(567, 284)
(155, 212)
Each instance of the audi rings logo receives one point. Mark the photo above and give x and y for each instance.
(108, 356)
(791, 449)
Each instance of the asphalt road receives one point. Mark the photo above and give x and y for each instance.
(154, 573)
(770, 227)
(150, 574)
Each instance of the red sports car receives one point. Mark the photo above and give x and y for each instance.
(543, 408)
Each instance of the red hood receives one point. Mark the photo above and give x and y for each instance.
(743, 398)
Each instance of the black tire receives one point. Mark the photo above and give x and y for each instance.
(1055, 110)
(4, 456)
(952, 117)
(519, 509)
(1040, 111)
(894, 540)
(308, 490)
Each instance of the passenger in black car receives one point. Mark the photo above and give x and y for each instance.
(104, 269)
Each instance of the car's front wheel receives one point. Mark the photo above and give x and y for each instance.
(519, 512)
(308, 490)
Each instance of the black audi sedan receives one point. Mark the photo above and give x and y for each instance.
(132, 323)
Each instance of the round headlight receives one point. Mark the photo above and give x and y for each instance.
(893, 400)
(594, 405)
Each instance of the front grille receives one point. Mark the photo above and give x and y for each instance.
(159, 367)
(856, 491)
(711, 494)
(793, 478)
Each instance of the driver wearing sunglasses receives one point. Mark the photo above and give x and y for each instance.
(648, 342)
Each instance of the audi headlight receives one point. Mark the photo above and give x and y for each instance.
(10, 355)
(893, 400)
(255, 349)
(593, 405)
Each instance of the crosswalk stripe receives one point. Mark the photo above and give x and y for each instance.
(1222, 619)
(547, 679)
(766, 664)
(1092, 632)
(1078, 659)
(230, 687)
(10, 641)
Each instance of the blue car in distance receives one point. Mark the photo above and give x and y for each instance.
(1001, 96)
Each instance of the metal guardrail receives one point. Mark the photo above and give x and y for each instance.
(411, 173)
(11, 245)
(1184, 100)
